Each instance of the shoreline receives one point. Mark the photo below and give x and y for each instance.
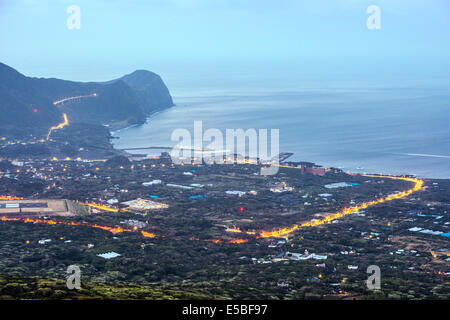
(358, 170)
(148, 117)
(350, 167)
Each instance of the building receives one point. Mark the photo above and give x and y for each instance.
(150, 183)
(141, 204)
(109, 255)
(235, 192)
(313, 170)
(35, 208)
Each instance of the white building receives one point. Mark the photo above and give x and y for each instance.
(109, 255)
(235, 192)
(151, 183)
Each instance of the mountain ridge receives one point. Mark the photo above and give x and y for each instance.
(29, 101)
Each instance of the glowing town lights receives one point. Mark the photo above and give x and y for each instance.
(69, 223)
(148, 234)
(100, 206)
(237, 241)
(235, 230)
(10, 198)
(418, 184)
(278, 233)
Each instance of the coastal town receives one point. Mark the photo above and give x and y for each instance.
(195, 229)
(307, 232)
(224, 159)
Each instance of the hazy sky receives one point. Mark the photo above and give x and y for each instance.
(119, 36)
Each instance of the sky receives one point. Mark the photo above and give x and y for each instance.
(202, 38)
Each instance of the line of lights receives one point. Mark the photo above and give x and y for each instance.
(66, 120)
(99, 206)
(113, 230)
(418, 184)
(73, 98)
(59, 126)
(10, 198)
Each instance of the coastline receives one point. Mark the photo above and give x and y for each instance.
(149, 116)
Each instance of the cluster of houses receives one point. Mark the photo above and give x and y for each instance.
(282, 187)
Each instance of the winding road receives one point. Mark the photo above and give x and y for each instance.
(62, 101)
(65, 123)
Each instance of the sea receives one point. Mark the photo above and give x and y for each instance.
(400, 127)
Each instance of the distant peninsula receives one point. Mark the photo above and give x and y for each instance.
(37, 114)
(27, 101)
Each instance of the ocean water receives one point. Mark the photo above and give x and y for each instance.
(360, 127)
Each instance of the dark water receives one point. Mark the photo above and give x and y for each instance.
(389, 129)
